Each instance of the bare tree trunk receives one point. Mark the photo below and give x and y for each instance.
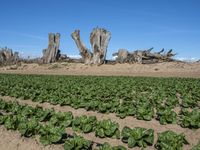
(84, 52)
(99, 39)
(51, 54)
(7, 57)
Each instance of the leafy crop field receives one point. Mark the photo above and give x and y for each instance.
(167, 101)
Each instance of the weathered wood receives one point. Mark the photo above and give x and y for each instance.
(99, 39)
(84, 52)
(122, 56)
(51, 54)
(7, 57)
(143, 56)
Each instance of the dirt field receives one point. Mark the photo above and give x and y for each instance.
(168, 69)
(10, 140)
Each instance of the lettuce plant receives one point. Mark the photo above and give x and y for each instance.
(77, 143)
(84, 123)
(137, 137)
(165, 115)
(170, 140)
(190, 119)
(107, 128)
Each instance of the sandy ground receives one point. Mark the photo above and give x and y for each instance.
(168, 69)
(193, 136)
(11, 140)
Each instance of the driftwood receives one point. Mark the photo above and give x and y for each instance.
(52, 53)
(121, 56)
(142, 56)
(99, 39)
(7, 57)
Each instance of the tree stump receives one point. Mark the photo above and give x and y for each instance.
(51, 54)
(7, 57)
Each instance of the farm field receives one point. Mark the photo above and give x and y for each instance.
(125, 112)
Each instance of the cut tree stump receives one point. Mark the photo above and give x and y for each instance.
(7, 57)
(52, 53)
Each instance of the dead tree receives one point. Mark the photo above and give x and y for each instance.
(7, 57)
(143, 56)
(122, 56)
(84, 52)
(51, 54)
(99, 39)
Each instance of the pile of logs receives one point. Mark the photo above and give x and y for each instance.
(7, 57)
(143, 56)
(99, 39)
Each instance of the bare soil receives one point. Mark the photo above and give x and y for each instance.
(166, 69)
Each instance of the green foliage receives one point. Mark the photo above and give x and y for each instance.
(137, 137)
(188, 101)
(196, 147)
(166, 115)
(11, 122)
(27, 127)
(51, 134)
(63, 119)
(169, 140)
(124, 96)
(144, 111)
(107, 128)
(190, 119)
(77, 143)
(84, 123)
(126, 110)
(2, 118)
(42, 114)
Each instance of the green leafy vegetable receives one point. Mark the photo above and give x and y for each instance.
(50, 134)
(169, 140)
(107, 128)
(190, 119)
(77, 143)
(137, 137)
(84, 123)
(166, 115)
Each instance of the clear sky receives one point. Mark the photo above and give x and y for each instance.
(134, 24)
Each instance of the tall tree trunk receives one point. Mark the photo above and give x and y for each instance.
(51, 54)
(84, 52)
(99, 39)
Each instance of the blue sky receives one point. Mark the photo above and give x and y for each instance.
(134, 24)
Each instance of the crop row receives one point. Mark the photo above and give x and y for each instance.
(50, 126)
(143, 98)
(46, 123)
